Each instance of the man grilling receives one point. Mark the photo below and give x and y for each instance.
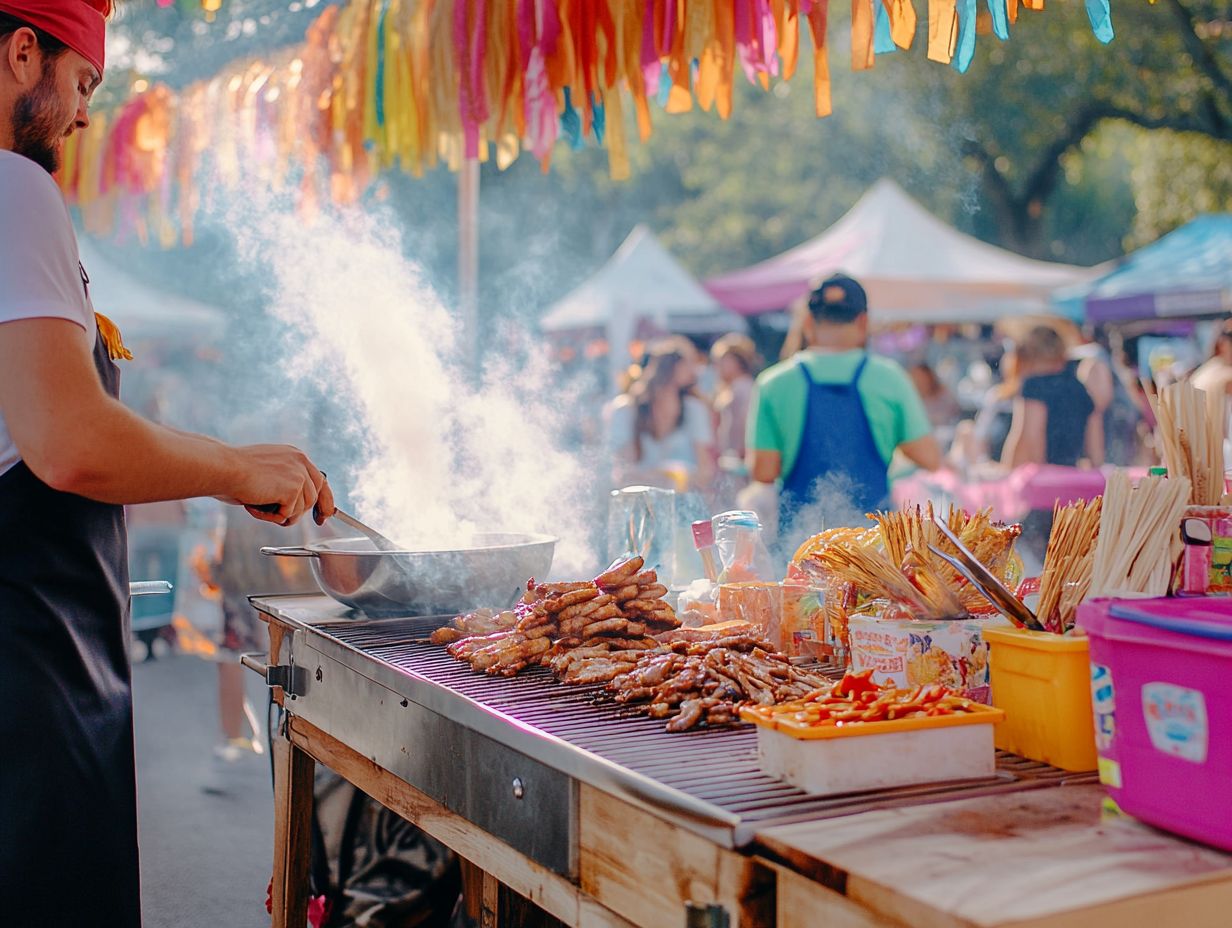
(826, 422)
(70, 457)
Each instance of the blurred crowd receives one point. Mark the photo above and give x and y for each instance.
(1035, 391)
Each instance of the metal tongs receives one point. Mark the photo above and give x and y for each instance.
(378, 540)
(985, 581)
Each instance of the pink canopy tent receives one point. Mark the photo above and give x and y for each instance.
(914, 267)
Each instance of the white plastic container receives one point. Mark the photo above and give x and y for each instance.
(827, 762)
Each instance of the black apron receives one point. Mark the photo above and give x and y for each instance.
(68, 797)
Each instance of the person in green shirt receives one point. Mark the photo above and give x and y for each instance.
(826, 422)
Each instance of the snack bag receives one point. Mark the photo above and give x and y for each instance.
(755, 602)
(912, 653)
(802, 619)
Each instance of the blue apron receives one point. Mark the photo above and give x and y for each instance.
(68, 802)
(837, 449)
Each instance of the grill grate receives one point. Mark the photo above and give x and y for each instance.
(718, 766)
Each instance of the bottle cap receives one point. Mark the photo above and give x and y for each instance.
(703, 534)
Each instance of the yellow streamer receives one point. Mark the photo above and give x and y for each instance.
(110, 333)
(942, 30)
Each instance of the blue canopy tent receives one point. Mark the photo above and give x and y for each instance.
(1186, 273)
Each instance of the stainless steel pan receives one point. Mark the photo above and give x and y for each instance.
(491, 571)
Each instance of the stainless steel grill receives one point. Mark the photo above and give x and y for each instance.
(705, 780)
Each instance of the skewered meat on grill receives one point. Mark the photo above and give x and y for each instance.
(618, 610)
(696, 682)
(597, 670)
(479, 622)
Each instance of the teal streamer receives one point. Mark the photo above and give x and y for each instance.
(571, 123)
(1100, 15)
(598, 119)
(380, 64)
(883, 41)
(1000, 19)
(965, 49)
(665, 85)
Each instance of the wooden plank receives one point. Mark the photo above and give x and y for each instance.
(1039, 858)
(277, 637)
(646, 868)
(489, 902)
(549, 891)
(292, 834)
(802, 903)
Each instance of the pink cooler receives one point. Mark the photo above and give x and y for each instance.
(1161, 687)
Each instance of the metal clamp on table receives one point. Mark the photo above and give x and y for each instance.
(282, 675)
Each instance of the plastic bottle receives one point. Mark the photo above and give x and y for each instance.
(742, 549)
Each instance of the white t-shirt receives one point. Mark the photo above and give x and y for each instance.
(40, 272)
(676, 447)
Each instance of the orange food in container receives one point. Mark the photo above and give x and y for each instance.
(817, 745)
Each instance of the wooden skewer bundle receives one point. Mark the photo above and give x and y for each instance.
(1139, 535)
(1190, 434)
(911, 529)
(1068, 562)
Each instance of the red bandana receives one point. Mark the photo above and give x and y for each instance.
(79, 24)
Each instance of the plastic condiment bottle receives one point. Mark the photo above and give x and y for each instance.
(703, 540)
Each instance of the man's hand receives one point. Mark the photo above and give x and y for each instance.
(282, 475)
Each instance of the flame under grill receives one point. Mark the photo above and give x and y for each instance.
(716, 766)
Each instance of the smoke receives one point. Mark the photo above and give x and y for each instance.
(442, 447)
(831, 503)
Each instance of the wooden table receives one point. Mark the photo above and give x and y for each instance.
(1043, 858)
(1040, 858)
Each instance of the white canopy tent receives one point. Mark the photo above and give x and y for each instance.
(642, 281)
(915, 268)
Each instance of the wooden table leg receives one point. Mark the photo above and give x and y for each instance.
(491, 904)
(292, 833)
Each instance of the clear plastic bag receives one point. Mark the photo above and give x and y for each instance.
(743, 555)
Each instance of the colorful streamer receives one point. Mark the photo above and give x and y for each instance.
(379, 83)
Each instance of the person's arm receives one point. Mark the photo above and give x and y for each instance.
(765, 466)
(923, 452)
(1096, 376)
(77, 439)
(1093, 441)
(1028, 439)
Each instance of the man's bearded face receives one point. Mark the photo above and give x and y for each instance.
(41, 120)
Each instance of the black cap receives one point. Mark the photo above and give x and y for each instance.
(838, 298)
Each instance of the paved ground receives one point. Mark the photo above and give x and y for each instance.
(206, 836)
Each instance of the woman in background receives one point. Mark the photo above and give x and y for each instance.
(659, 431)
(735, 358)
(940, 404)
(1054, 419)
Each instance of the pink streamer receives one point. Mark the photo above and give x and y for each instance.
(538, 27)
(756, 39)
(669, 29)
(471, 47)
(650, 56)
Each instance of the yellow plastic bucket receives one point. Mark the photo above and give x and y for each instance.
(1043, 682)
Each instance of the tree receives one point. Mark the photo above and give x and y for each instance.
(1026, 105)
